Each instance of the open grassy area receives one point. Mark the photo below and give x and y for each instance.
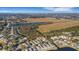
(56, 24)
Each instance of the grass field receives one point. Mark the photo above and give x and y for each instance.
(56, 24)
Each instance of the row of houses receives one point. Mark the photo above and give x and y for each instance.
(40, 44)
(66, 41)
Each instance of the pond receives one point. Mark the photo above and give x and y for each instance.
(65, 49)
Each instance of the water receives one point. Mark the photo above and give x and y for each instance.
(18, 24)
(65, 49)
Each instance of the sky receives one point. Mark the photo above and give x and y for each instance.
(39, 9)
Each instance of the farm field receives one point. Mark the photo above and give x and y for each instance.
(56, 23)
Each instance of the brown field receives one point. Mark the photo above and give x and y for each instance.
(56, 24)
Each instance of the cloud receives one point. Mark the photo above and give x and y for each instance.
(59, 9)
(63, 9)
